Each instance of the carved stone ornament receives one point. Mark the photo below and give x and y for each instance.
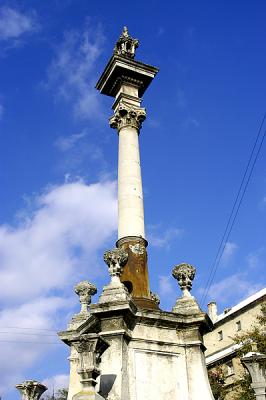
(116, 260)
(126, 45)
(184, 274)
(127, 116)
(31, 390)
(85, 290)
(155, 297)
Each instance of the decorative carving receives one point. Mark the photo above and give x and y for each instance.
(31, 390)
(155, 297)
(90, 350)
(127, 116)
(85, 290)
(116, 260)
(184, 274)
(137, 248)
(126, 45)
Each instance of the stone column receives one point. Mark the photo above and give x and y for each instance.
(31, 390)
(255, 363)
(126, 80)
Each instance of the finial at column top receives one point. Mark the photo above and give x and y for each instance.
(126, 45)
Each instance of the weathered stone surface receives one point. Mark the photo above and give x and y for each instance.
(255, 363)
(31, 390)
(184, 274)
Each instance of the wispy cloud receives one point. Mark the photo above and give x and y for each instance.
(72, 70)
(158, 237)
(229, 251)
(190, 122)
(55, 383)
(232, 289)
(78, 150)
(1, 111)
(65, 143)
(166, 286)
(181, 98)
(54, 244)
(14, 24)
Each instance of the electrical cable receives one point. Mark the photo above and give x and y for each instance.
(235, 209)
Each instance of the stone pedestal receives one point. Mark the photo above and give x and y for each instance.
(256, 365)
(152, 355)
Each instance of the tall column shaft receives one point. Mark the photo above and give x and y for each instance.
(130, 195)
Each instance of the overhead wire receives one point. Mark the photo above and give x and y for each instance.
(235, 209)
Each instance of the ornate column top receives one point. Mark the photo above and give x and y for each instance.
(126, 45)
(85, 290)
(115, 260)
(31, 390)
(127, 116)
(184, 274)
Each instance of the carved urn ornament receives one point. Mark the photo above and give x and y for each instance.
(31, 390)
(116, 259)
(184, 274)
(85, 290)
(126, 46)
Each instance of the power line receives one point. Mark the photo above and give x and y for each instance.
(18, 341)
(27, 334)
(235, 209)
(30, 328)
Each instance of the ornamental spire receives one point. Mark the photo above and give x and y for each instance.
(126, 45)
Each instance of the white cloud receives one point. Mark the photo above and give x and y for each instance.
(232, 289)
(163, 239)
(13, 23)
(72, 70)
(166, 285)
(55, 383)
(229, 250)
(54, 245)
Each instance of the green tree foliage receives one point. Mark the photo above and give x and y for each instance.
(217, 382)
(61, 394)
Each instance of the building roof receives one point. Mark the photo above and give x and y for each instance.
(256, 296)
(222, 353)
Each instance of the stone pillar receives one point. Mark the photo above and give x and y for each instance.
(126, 80)
(31, 390)
(89, 350)
(191, 335)
(255, 363)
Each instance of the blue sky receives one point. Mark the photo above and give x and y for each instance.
(58, 159)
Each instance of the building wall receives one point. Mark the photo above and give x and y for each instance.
(221, 350)
(228, 327)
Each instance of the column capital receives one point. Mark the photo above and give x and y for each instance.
(31, 390)
(127, 116)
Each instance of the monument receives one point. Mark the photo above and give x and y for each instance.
(125, 347)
